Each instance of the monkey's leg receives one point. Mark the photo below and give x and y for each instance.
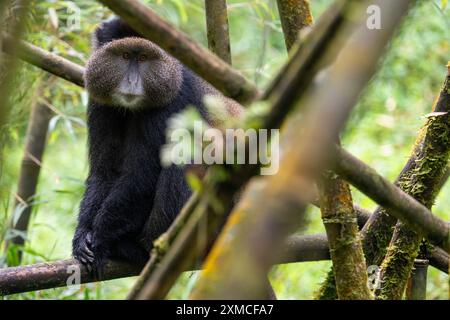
(122, 215)
(172, 192)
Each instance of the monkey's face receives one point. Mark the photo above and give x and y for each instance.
(132, 73)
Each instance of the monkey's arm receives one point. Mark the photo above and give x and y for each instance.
(96, 192)
(104, 141)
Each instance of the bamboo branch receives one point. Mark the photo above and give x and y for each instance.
(45, 60)
(217, 29)
(200, 60)
(439, 259)
(56, 274)
(253, 227)
(294, 15)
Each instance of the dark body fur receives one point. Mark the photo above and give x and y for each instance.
(130, 199)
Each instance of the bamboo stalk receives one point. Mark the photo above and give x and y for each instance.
(217, 29)
(35, 142)
(295, 15)
(417, 283)
(340, 221)
(439, 259)
(306, 61)
(8, 65)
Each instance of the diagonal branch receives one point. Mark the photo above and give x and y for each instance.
(397, 203)
(199, 59)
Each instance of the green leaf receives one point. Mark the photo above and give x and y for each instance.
(194, 182)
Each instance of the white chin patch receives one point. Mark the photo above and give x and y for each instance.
(128, 102)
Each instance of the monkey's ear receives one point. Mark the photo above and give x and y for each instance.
(112, 29)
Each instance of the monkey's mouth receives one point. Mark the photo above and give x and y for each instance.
(128, 100)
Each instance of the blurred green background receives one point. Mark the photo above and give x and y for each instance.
(381, 132)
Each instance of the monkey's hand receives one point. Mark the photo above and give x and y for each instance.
(82, 248)
(91, 252)
(100, 250)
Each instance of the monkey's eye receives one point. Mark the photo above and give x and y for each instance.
(126, 55)
(142, 57)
